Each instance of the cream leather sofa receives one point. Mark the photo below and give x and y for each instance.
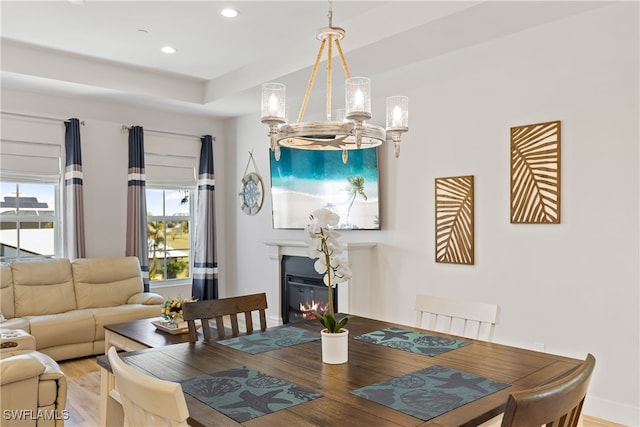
(64, 305)
(33, 389)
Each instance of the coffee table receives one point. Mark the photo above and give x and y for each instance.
(140, 334)
(131, 336)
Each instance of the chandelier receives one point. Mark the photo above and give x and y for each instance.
(347, 130)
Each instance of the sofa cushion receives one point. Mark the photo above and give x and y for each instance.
(42, 287)
(51, 330)
(6, 292)
(106, 282)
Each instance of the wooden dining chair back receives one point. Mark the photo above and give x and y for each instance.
(557, 404)
(147, 401)
(464, 318)
(221, 309)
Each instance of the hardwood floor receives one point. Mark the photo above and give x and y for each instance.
(83, 395)
(83, 391)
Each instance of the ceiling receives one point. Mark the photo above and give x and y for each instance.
(109, 51)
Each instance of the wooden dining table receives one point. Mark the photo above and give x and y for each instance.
(368, 363)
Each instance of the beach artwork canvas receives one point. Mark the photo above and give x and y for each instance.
(305, 180)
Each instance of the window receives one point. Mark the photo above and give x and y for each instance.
(29, 221)
(169, 234)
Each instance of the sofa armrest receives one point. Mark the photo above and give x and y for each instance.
(16, 340)
(19, 367)
(52, 372)
(146, 298)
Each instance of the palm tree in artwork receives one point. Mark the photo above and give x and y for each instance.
(356, 186)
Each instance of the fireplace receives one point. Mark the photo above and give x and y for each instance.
(359, 257)
(302, 289)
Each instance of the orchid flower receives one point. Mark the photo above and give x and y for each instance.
(325, 247)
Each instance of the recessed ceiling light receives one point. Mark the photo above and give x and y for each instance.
(229, 12)
(168, 49)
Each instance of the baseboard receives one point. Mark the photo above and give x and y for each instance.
(273, 321)
(609, 410)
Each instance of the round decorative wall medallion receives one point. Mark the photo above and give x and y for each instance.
(251, 194)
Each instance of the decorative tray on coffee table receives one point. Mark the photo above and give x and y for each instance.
(175, 328)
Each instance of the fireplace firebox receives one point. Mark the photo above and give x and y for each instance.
(303, 291)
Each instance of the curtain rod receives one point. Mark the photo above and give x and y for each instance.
(126, 128)
(37, 117)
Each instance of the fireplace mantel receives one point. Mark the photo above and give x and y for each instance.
(359, 256)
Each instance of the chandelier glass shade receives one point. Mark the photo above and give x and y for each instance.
(348, 129)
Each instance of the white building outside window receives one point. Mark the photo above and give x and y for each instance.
(29, 221)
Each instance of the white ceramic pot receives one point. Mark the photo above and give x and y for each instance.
(335, 347)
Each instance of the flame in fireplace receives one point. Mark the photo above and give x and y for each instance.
(308, 309)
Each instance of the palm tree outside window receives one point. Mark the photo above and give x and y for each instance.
(169, 216)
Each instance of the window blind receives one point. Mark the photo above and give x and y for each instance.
(169, 171)
(170, 162)
(31, 150)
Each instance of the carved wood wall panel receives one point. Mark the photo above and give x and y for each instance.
(535, 173)
(454, 220)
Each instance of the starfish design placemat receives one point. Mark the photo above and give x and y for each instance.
(271, 339)
(244, 393)
(430, 392)
(413, 341)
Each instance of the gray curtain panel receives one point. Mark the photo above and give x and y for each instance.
(137, 204)
(73, 216)
(205, 262)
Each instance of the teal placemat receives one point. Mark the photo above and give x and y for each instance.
(430, 392)
(413, 341)
(244, 393)
(271, 339)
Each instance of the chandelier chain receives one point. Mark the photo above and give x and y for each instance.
(330, 14)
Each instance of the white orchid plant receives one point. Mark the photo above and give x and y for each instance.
(324, 245)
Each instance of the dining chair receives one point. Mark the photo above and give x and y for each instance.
(464, 318)
(147, 401)
(557, 404)
(219, 309)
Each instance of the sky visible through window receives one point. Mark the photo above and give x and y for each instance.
(43, 192)
(172, 203)
(28, 231)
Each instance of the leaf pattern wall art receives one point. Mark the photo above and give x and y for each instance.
(454, 220)
(535, 173)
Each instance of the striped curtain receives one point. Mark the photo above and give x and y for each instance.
(73, 217)
(205, 263)
(137, 204)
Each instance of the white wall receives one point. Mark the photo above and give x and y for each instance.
(573, 286)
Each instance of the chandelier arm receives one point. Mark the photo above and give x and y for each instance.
(311, 80)
(344, 61)
(329, 75)
(352, 134)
